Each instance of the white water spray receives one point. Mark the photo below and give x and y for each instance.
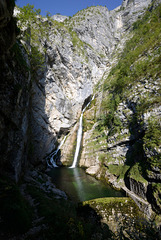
(52, 162)
(79, 137)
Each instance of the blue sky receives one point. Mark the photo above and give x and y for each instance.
(67, 7)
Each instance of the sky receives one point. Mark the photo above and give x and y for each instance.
(67, 7)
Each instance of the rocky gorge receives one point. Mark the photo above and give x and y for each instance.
(50, 69)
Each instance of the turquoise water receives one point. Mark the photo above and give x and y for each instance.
(79, 186)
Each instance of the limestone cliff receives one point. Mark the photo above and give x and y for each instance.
(122, 129)
(77, 52)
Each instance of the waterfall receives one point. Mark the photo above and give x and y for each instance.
(53, 156)
(79, 137)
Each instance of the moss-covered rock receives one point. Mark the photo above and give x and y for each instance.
(119, 213)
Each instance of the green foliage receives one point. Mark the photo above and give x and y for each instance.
(77, 43)
(152, 141)
(75, 40)
(131, 224)
(140, 229)
(156, 188)
(139, 64)
(16, 51)
(152, 136)
(136, 62)
(118, 170)
(36, 32)
(136, 173)
(146, 37)
(28, 15)
(108, 118)
(36, 59)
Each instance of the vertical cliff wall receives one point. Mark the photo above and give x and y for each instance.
(14, 96)
(122, 129)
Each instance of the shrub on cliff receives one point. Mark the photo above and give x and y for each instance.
(34, 32)
(140, 59)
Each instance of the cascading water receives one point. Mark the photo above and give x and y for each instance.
(53, 156)
(79, 137)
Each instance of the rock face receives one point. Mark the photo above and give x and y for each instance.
(59, 18)
(59, 95)
(78, 52)
(14, 96)
(130, 8)
(7, 26)
(122, 135)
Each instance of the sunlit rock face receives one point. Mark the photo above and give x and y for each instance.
(104, 31)
(78, 50)
(104, 151)
(72, 69)
(131, 10)
(59, 17)
(59, 95)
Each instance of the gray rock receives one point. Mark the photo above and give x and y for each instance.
(93, 170)
(59, 18)
(77, 54)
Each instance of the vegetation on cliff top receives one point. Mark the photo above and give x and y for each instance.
(34, 30)
(141, 59)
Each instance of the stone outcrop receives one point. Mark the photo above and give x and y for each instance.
(116, 212)
(59, 18)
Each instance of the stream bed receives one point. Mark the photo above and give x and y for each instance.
(79, 186)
